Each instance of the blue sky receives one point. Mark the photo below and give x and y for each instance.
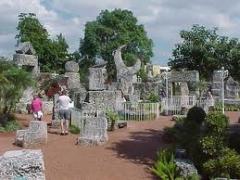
(163, 19)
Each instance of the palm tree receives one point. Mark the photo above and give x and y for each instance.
(13, 82)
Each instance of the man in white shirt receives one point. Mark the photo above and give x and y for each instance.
(64, 111)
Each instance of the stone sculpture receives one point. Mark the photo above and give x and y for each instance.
(26, 58)
(25, 48)
(72, 69)
(125, 74)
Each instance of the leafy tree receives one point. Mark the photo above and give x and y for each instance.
(51, 53)
(204, 50)
(30, 29)
(112, 29)
(57, 55)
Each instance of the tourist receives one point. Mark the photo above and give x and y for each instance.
(64, 111)
(210, 101)
(36, 107)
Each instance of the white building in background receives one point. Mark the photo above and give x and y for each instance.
(156, 69)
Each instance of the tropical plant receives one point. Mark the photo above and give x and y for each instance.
(13, 82)
(165, 166)
(112, 117)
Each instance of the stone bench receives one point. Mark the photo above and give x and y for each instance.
(35, 134)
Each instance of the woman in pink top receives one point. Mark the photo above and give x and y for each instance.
(36, 107)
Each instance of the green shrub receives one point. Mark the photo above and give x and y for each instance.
(196, 114)
(186, 133)
(226, 165)
(74, 129)
(152, 97)
(112, 117)
(205, 141)
(227, 107)
(211, 145)
(214, 138)
(2, 129)
(216, 123)
(10, 126)
(165, 167)
(192, 177)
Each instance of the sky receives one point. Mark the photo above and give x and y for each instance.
(162, 19)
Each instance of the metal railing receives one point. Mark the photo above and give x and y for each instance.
(175, 104)
(139, 111)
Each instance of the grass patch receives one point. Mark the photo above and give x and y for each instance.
(74, 129)
(10, 126)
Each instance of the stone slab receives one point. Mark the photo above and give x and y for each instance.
(97, 78)
(26, 60)
(22, 164)
(94, 131)
(73, 81)
(185, 76)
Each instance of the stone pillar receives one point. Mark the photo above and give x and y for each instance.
(72, 69)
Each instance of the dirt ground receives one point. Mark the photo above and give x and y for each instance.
(127, 155)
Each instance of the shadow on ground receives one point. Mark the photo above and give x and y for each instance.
(140, 147)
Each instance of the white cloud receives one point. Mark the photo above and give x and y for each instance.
(223, 21)
(163, 19)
